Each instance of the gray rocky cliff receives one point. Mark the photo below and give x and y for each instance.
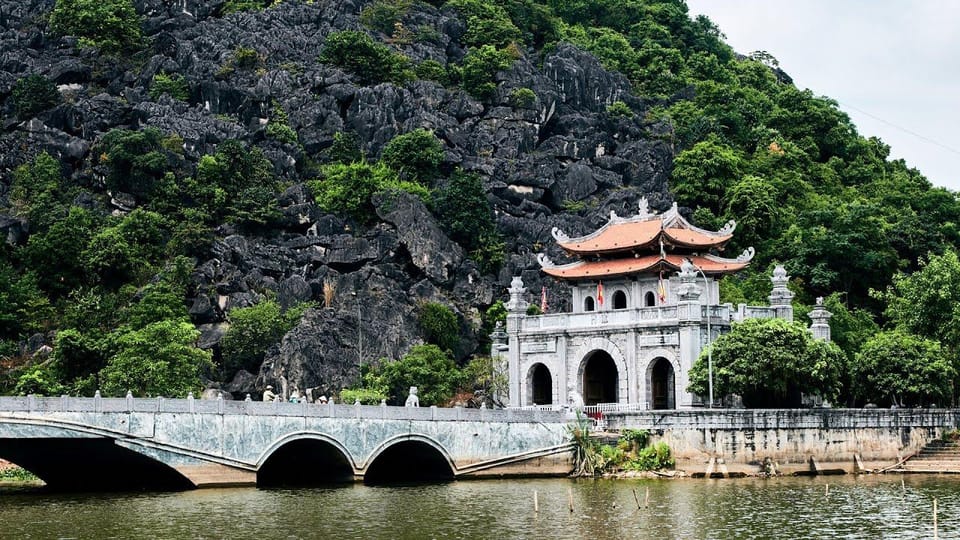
(538, 161)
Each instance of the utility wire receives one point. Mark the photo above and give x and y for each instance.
(903, 129)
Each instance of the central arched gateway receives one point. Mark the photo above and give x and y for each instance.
(660, 380)
(600, 378)
(540, 384)
(307, 461)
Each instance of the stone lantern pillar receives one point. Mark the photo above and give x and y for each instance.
(689, 316)
(820, 321)
(781, 298)
(516, 312)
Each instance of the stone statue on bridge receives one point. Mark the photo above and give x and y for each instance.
(268, 394)
(412, 399)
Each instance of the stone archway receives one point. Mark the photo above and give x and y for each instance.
(661, 382)
(599, 379)
(540, 385)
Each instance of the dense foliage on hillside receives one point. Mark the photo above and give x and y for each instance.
(114, 243)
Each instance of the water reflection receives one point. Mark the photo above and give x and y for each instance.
(854, 507)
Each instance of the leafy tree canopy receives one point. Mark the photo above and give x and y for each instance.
(894, 367)
(770, 362)
(112, 26)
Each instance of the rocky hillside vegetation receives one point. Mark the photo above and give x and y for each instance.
(235, 193)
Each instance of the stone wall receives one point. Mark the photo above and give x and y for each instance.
(794, 440)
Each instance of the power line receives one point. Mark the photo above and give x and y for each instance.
(903, 129)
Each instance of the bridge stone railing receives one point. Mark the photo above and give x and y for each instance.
(41, 405)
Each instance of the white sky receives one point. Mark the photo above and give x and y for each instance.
(893, 65)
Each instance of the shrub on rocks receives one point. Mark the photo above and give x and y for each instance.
(33, 94)
(113, 26)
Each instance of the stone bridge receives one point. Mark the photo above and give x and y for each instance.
(126, 443)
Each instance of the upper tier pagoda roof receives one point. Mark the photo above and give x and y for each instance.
(646, 229)
(710, 264)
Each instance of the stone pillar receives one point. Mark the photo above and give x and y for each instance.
(516, 312)
(820, 321)
(499, 353)
(689, 315)
(781, 297)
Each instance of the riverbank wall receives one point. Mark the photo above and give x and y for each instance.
(723, 442)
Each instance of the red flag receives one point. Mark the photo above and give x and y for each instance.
(600, 293)
(543, 300)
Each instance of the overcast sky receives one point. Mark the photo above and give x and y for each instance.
(893, 65)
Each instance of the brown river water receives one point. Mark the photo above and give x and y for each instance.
(885, 506)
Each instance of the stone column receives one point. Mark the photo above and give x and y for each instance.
(499, 353)
(781, 297)
(690, 316)
(516, 312)
(820, 321)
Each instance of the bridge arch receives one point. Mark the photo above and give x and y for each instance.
(305, 459)
(75, 458)
(409, 458)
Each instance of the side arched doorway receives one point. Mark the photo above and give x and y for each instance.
(600, 379)
(540, 384)
(660, 378)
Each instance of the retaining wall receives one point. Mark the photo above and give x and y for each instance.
(793, 440)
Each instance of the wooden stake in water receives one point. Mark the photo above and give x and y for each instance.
(646, 498)
(826, 492)
(536, 503)
(570, 498)
(636, 498)
(934, 518)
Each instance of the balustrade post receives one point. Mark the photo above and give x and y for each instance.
(219, 402)
(160, 401)
(191, 406)
(30, 402)
(63, 402)
(129, 401)
(97, 402)
(433, 412)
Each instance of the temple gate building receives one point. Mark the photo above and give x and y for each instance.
(645, 302)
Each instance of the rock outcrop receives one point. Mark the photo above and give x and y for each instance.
(558, 161)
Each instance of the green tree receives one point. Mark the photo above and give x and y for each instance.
(161, 359)
(236, 184)
(927, 302)
(894, 367)
(76, 355)
(39, 192)
(24, 308)
(173, 85)
(703, 174)
(770, 362)
(33, 94)
(487, 23)
(480, 68)
(137, 160)
(439, 325)
(414, 156)
(112, 26)
(345, 148)
(255, 329)
(427, 367)
(59, 251)
(371, 62)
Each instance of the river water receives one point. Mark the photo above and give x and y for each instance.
(821, 507)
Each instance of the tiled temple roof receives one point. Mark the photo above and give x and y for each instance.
(645, 230)
(579, 270)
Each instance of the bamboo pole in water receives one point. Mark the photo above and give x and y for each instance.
(636, 498)
(934, 518)
(826, 492)
(536, 503)
(646, 498)
(570, 498)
